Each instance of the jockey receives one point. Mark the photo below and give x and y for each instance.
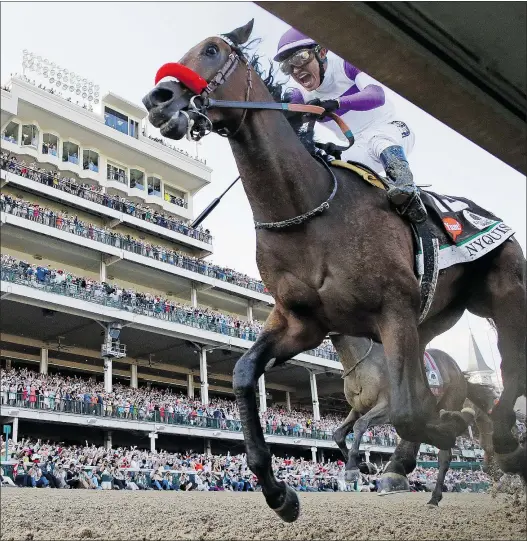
(381, 140)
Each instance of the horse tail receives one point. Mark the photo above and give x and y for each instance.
(484, 397)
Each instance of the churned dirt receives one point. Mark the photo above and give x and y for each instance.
(49, 514)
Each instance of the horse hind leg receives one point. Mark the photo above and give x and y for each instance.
(444, 458)
(502, 298)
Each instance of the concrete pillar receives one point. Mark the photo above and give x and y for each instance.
(148, 385)
(102, 269)
(203, 376)
(8, 364)
(250, 304)
(314, 454)
(44, 361)
(322, 456)
(14, 433)
(133, 376)
(108, 375)
(190, 385)
(193, 294)
(314, 395)
(288, 400)
(366, 456)
(208, 448)
(470, 432)
(108, 439)
(153, 438)
(262, 393)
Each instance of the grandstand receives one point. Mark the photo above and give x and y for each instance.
(105, 283)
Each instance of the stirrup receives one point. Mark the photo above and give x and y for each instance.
(413, 206)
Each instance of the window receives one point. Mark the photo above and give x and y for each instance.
(134, 129)
(50, 144)
(11, 133)
(70, 152)
(90, 160)
(116, 120)
(174, 196)
(114, 172)
(137, 179)
(154, 186)
(29, 136)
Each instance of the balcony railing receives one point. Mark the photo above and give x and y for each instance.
(160, 310)
(136, 412)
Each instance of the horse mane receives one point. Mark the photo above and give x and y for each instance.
(303, 125)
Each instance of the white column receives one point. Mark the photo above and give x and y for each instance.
(108, 439)
(153, 438)
(190, 385)
(133, 376)
(14, 434)
(203, 376)
(288, 400)
(470, 432)
(102, 269)
(193, 294)
(8, 364)
(261, 392)
(314, 395)
(314, 454)
(208, 451)
(108, 375)
(44, 361)
(148, 385)
(250, 304)
(366, 456)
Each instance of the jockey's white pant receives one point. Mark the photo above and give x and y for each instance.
(370, 144)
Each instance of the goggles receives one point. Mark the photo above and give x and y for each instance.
(297, 60)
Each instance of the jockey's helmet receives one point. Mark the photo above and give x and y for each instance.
(290, 42)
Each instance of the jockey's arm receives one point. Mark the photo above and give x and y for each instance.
(370, 95)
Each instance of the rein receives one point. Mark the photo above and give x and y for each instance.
(350, 370)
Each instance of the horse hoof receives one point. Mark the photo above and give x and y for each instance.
(433, 504)
(352, 475)
(290, 508)
(393, 482)
(514, 462)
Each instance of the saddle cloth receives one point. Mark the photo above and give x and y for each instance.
(471, 231)
(433, 375)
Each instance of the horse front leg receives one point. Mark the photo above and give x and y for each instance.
(444, 458)
(414, 411)
(402, 462)
(378, 415)
(278, 342)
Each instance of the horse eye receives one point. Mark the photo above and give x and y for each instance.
(211, 50)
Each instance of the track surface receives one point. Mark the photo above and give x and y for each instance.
(80, 514)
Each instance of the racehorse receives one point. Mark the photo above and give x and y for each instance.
(367, 390)
(337, 258)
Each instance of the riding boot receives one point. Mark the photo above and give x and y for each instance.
(403, 193)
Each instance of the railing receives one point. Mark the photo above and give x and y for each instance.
(163, 311)
(137, 413)
(49, 218)
(126, 207)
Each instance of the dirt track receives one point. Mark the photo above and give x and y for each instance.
(77, 514)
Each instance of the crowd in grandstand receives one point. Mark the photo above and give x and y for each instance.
(46, 464)
(25, 388)
(145, 303)
(92, 192)
(72, 224)
(89, 107)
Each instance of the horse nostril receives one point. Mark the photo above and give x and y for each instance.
(158, 96)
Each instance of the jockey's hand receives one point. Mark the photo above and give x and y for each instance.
(329, 105)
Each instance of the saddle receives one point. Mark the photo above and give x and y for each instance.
(470, 232)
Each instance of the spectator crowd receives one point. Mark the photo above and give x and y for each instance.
(49, 464)
(64, 283)
(25, 388)
(92, 192)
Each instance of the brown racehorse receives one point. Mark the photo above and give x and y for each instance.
(346, 266)
(367, 390)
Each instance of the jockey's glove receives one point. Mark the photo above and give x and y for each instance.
(329, 105)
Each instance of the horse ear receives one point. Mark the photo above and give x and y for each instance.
(241, 35)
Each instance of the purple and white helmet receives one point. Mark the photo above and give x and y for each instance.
(291, 40)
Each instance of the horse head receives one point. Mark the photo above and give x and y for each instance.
(216, 66)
